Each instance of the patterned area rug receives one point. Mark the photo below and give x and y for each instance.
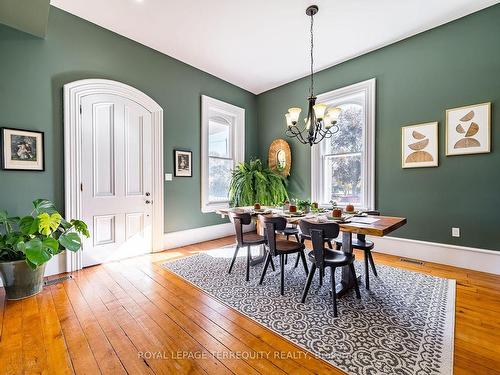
(403, 325)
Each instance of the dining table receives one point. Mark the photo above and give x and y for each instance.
(359, 223)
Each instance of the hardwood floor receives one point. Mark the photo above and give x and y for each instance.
(135, 317)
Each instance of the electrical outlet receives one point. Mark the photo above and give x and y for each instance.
(168, 176)
(455, 232)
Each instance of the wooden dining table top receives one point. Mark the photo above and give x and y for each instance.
(377, 226)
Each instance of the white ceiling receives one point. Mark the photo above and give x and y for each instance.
(261, 44)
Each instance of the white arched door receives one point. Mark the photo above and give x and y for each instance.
(116, 171)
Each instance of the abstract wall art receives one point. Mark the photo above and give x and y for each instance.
(468, 129)
(419, 145)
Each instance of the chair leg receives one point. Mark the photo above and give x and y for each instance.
(234, 258)
(272, 263)
(308, 283)
(334, 293)
(321, 274)
(286, 258)
(304, 261)
(329, 244)
(372, 263)
(367, 273)
(282, 274)
(248, 264)
(298, 256)
(264, 270)
(356, 286)
(297, 237)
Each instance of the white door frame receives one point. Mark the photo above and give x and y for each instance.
(73, 94)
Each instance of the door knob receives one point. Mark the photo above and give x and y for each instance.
(147, 194)
(149, 202)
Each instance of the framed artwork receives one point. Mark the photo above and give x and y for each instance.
(279, 157)
(22, 150)
(183, 166)
(468, 129)
(419, 145)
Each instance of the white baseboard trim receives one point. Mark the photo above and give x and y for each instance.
(457, 256)
(191, 236)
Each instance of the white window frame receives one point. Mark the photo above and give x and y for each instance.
(336, 97)
(237, 147)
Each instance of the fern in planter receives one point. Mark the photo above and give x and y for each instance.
(253, 183)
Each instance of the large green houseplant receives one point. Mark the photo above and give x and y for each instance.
(253, 183)
(28, 243)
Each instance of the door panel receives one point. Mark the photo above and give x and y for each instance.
(116, 178)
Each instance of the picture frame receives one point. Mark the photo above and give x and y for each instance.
(468, 129)
(22, 150)
(420, 145)
(183, 163)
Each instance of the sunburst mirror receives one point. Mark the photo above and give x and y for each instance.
(280, 157)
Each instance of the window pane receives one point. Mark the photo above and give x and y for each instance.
(350, 135)
(218, 139)
(218, 180)
(342, 180)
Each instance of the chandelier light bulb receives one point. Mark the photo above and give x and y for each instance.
(333, 113)
(294, 115)
(319, 111)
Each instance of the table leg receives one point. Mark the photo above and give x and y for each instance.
(346, 282)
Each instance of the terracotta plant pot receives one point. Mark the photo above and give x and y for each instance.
(256, 206)
(337, 213)
(19, 280)
(293, 208)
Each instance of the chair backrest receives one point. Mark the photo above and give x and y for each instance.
(271, 225)
(240, 219)
(330, 230)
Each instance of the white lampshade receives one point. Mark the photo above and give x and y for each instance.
(333, 113)
(288, 120)
(294, 114)
(319, 111)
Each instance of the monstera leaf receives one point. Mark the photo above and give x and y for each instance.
(70, 241)
(8, 222)
(48, 223)
(44, 205)
(36, 252)
(80, 227)
(28, 225)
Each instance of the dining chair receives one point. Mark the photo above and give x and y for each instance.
(244, 239)
(273, 224)
(322, 258)
(287, 232)
(361, 243)
(306, 236)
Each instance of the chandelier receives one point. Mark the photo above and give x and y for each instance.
(321, 122)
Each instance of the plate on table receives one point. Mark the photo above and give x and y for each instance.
(341, 220)
(293, 214)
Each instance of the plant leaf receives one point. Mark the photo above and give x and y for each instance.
(80, 227)
(36, 253)
(70, 241)
(51, 245)
(28, 225)
(44, 205)
(48, 223)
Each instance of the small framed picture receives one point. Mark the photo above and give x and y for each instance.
(468, 129)
(419, 145)
(22, 150)
(183, 166)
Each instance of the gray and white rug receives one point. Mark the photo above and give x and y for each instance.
(403, 325)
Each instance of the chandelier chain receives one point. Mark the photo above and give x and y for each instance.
(312, 56)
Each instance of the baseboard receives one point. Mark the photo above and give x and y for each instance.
(457, 256)
(191, 236)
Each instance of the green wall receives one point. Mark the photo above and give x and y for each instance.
(417, 80)
(33, 72)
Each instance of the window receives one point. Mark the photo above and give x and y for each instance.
(343, 168)
(223, 145)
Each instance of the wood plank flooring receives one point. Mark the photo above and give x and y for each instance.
(134, 317)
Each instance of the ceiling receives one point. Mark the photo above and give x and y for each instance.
(261, 44)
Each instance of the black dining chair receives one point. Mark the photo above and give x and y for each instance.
(361, 243)
(273, 224)
(322, 258)
(306, 236)
(244, 239)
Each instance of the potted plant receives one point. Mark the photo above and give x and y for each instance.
(303, 205)
(28, 243)
(251, 183)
